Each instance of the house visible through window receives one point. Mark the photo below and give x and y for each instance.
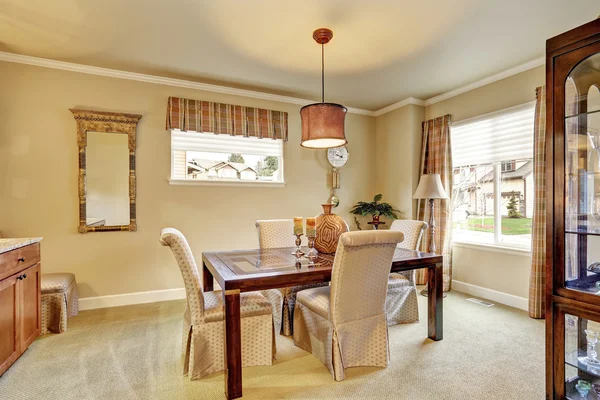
(223, 158)
(493, 189)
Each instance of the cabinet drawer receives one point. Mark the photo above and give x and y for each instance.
(17, 260)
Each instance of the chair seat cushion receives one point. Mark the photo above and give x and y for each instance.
(316, 299)
(251, 304)
(56, 283)
(397, 280)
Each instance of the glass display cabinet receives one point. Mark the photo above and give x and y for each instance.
(573, 213)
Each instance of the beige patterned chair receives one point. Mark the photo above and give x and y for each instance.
(203, 335)
(272, 234)
(59, 301)
(344, 325)
(401, 305)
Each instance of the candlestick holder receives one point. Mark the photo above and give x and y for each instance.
(312, 252)
(591, 359)
(298, 252)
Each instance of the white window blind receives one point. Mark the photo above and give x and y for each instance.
(209, 142)
(500, 136)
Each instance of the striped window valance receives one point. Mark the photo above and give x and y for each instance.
(205, 116)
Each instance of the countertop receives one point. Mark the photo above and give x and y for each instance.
(9, 244)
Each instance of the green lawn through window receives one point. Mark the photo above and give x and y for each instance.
(510, 226)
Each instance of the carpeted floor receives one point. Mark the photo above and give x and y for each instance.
(133, 352)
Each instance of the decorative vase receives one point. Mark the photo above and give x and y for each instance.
(329, 229)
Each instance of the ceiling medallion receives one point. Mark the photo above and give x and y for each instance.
(323, 123)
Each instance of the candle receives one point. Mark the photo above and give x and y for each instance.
(298, 225)
(311, 224)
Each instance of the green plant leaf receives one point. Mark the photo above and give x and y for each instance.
(374, 208)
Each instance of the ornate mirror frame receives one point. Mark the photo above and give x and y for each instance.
(101, 121)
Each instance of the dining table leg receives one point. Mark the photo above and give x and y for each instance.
(233, 344)
(207, 279)
(435, 312)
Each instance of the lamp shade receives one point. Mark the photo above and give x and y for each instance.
(323, 125)
(430, 187)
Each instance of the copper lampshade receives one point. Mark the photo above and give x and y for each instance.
(323, 125)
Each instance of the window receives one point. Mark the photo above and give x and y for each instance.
(493, 189)
(206, 157)
(507, 166)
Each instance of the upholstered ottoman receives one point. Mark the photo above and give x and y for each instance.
(59, 301)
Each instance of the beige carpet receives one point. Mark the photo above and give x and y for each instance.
(133, 353)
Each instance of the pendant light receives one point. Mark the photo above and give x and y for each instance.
(323, 123)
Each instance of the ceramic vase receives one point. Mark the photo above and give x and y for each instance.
(329, 229)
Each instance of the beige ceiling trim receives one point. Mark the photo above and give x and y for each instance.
(486, 81)
(444, 96)
(400, 104)
(159, 80)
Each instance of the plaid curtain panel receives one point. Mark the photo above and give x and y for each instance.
(205, 116)
(436, 158)
(537, 277)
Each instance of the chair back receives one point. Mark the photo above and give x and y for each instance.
(360, 273)
(413, 232)
(275, 233)
(189, 271)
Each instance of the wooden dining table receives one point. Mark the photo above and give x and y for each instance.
(254, 270)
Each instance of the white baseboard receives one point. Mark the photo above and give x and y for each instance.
(90, 303)
(493, 295)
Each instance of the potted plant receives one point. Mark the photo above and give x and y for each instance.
(375, 209)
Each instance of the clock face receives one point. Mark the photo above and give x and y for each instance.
(337, 156)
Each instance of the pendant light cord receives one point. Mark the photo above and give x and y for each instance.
(322, 73)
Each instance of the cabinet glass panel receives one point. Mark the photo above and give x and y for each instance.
(581, 87)
(582, 367)
(582, 176)
(582, 263)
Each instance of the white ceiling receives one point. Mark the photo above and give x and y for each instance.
(383, 51)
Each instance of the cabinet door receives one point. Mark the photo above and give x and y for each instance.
(576, 119)
(30, 315)
(9, 322)
(577, 368)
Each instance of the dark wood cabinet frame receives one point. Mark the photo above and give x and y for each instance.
(563, 53)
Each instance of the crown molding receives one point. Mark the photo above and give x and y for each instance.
(486, 81)
(400, 104)
(158, 80)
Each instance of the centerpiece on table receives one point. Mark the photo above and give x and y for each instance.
(375, 209)
(329, 228)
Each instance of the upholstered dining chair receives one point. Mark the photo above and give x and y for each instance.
(401, 305)
(272, 234)
(344, 325)
(203, 335)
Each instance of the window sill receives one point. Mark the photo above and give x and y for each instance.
(190, 182)
(494, 248)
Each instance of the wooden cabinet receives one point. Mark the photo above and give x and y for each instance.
(573, 213)
(20, 300)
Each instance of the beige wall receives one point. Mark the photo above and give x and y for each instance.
(38, 180)
(500, 271)
(504, 272)
(398, 151)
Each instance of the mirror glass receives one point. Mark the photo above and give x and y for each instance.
(107, 179)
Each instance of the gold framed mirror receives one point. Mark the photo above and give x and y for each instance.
(106, 183)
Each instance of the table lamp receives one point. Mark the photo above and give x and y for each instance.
(430, 187)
